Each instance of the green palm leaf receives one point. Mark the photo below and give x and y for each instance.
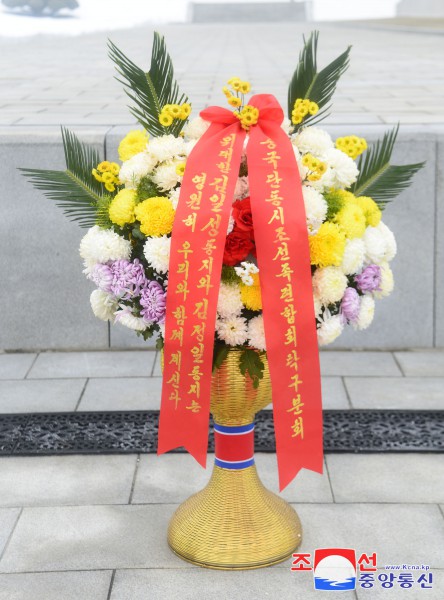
(377, 177)
(320, 86)
(150, 91)
(75, 190)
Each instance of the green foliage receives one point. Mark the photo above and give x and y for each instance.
(102, 218)
(75, 190)
(219, 355)
(335, 201)
(229, 275)
(150, 91)
(147, 189)
(320, 86)
(377, 177)
(250, 362)
(159, 343)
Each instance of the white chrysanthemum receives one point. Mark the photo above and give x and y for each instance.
(157, 252)
(229, 303)
(315, 208)
(366, 312)
(329, 284)
(242, 188)
(390, 242)
(103, 305)
(375, 245)
(166, 147)
(256, 333)
(162, 329)
(132, 170)
(329, 328)
(196, 128)
(324, 183)
(344, 169)
(189, 145)
(245, 272)
(125, 317)
(287, 125)
(166, 176)
(174, 197)
(232, 331)
(354, 256)
(313, 140)
(387, 282)
(101, 245)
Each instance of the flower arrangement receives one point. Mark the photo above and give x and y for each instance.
(130, 208)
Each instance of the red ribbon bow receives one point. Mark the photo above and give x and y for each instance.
(283, 256)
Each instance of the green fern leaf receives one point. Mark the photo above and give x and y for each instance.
(377, 177)
(320, 86)
(75, 190)
(150, 91)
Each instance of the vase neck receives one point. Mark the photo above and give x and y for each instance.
(234, 446)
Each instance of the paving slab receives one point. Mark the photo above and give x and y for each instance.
(157, 371)
(398, 533)
(422, 364)
(46, 395)
(79, 585)
(408, 393)
(189, 584)
(173, 478)
(15, 366)
(8, 518)
(359, 364)
(90, 537)
(92, 364)
(387, 477)
(416, 592)
(137, 393)
(61, 480)
(334, 394)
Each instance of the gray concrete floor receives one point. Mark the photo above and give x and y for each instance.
(94, 527)
(395, 75)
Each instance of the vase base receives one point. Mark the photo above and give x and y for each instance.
(234, 523)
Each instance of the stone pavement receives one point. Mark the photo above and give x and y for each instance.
(394, 75)
(94, 527)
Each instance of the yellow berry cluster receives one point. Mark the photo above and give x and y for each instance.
(351, 145)
(315, 167)
(107, 173)
(248, 116)
(239, 87)
(303, 107)
(174, 111)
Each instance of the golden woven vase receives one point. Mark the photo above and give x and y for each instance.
(235, 522)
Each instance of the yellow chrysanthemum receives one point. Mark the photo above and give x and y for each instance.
(251, 294)
(371, 210)
(186, 109)
(351, 145)
(133, 143)
(156, 216)
(327, 245)
(121, 209)
(351, 220)
(233, 101)
(165, 119)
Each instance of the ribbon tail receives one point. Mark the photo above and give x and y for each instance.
(287, 300)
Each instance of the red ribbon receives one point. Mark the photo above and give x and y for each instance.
(197, 247)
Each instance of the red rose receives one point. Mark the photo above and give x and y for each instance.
(242, 216)
(237, 247)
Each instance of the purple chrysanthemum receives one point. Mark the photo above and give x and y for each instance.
(128, 278)
(350, 304)
(370, 279)
(153, 300)
(102, 275)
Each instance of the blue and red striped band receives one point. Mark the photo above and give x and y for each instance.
(234, 446)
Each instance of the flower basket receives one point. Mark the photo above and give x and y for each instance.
(242, 239)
